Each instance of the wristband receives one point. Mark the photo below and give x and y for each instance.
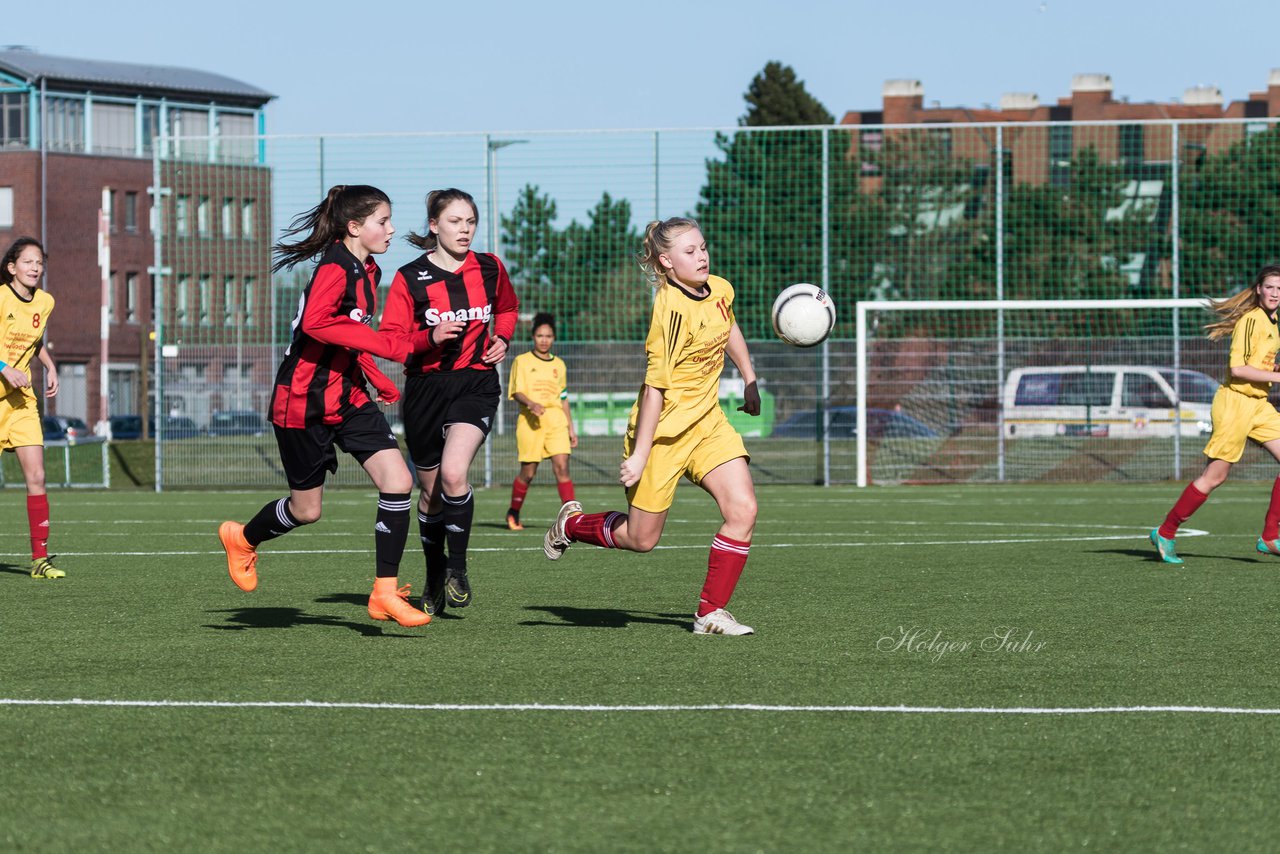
(3, 365)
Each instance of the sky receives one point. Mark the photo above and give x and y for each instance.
(507, 66)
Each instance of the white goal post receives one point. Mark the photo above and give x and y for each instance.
(998, 309)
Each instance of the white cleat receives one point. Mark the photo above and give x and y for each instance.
(720, 622)
(556, 540)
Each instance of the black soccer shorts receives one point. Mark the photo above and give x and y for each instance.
(307, 453)
(435, 401)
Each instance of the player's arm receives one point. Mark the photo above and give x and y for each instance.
(568, 417)
(321, 321)
(50, 369)
(387, 390)
(646, 426)
(736, 348)
(505, 309)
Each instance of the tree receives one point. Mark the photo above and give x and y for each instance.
(761, 206)
(532, 250)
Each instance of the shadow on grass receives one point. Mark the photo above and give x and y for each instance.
(362, 601)
(240, 619)
(603, 618)
(1149, 556)
(24, 569)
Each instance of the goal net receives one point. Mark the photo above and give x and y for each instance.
(1036, 390)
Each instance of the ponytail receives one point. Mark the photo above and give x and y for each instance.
(327, 222)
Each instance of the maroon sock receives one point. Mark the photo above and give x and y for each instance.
(1187, 503)
(594, 528)
(1271, 526)
(519, 490)
(724, 566)
(38, 520)
(566, 490)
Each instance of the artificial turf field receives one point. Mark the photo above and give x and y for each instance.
(1134, 705)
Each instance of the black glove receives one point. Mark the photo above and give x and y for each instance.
(750, 399)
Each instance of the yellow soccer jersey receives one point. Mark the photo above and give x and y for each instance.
(22, 324)
(543, 382)
(1254, 342)
(685, 348)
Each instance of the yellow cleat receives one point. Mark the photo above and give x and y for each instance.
(42, 567)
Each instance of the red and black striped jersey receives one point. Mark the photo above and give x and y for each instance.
(423, 295)
(321, 379)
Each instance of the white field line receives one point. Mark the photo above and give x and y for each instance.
(595, 708)
(1183, 532)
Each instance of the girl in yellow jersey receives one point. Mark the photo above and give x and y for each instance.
(677, 427)
(24, 314)
(545, 425)
(1241, 409)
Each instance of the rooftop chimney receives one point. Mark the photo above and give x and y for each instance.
(1202, 95)
(903, 89)
(1019, 101)
(1091, 83)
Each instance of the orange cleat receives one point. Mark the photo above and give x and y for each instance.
(387, 602)
(242, 558)
(513, 521)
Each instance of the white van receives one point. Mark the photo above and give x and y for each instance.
(1117, 401)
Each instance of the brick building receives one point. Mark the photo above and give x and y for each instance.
(1041, 153)
(72, 130)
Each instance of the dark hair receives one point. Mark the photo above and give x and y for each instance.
(327, 222)
(543, 318)
(11, 257)
(437, 201)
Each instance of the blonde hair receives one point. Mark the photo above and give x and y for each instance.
(1231, 309)
(659, 237)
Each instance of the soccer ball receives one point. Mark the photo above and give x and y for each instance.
(803, 315)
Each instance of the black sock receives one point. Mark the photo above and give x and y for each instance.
(457, 514)
(390, 532)
(273, 520)
(431, 530)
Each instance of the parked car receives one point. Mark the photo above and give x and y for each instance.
(843, 424)
(1116, 401)
(237, 422)
(125, 427)
(68, 430)
(175, 427)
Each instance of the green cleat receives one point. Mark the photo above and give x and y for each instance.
(1165, 547)
(42, 567)
(1269, 547)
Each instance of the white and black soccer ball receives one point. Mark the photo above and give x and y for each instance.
(803, 315)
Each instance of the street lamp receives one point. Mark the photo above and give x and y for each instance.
(491, 179)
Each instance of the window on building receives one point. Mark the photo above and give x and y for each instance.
(182, 300)
(202, 296)
(202, 216)
(228, 218)
(13, 120)
(246, 309)
(236, 142)
(113, 284)
(247, 217)
(150, 128)
(229, 301)
(870, 144)
(191, 127)
(131, 298)
(1131, 144)
(115, 129)
(6, 207)
(182, 216)
(112, 223)
(130, 211)
(1060, 143)
(65, 124)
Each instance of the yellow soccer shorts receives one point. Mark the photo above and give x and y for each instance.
(536, 441)
(1237, 418)
(709, 443)
(19, 423)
